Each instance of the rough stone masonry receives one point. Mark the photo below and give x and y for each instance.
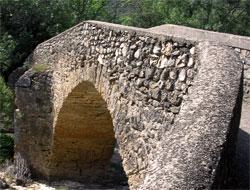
(172, 103)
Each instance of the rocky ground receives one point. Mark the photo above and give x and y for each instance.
(116, 179)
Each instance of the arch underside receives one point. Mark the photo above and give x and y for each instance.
(83, 137)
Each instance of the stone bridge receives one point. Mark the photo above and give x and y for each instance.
(169, 96)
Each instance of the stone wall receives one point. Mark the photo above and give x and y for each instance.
(170, 99)
(245, 57)
(240, 44)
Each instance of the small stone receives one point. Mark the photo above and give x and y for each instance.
(177, 85)
(190, 62)
(109, 50)
(176, 44)
(190, 73)
(156, 103)
(138, 64)
(164, 74)
(146, 83)
(117, 52)
(123, 45)
(110, 33)
(237, 50)
(192, 50)
(176, 53)
(112, 44)
(171, 62)
(137, 54)
(24, 82)
(184, 88)
(142, 74)
(143, 89)
(149, 73)
(164, 96)
(153, 62)
(154, 85)
(183, 75)
(189, 82)
(163, 63)
(157, 49)
(169, 86)
(139, 82)
(119, 60)
(153, 56)
(175, 110)
(174, 98)
(124, 51)
(170, 117)
(181, 65)
(104, 51)
(122, 39)
(101, 49)
(161, 84)
(133, 47)
(157, 75)
(156, 94)
(181, 61)
(167, 50)
(172, 75)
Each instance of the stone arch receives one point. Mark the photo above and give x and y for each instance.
(83, 141)
(155, 87)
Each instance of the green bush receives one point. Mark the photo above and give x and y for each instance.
(6, 147)
(6, 107)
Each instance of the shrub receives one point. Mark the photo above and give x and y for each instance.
(39, 68)
(21, 170)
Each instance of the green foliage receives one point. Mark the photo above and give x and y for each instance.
(6, 106)
(40, 68)
(20, 114)
(6, 147)
(7, 47)
(26, 23)
(230, 16)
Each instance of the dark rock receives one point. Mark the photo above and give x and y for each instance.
(24, 82)
(164, 74)
(149, 73)
(3, 184)
(14, 76)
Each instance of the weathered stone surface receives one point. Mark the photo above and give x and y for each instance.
(191, 152)
(14, 76)
(104, 82)
(183, 75)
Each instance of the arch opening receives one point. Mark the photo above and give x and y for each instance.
(84, 140)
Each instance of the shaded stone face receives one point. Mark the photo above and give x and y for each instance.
(98, 82)
(83, 136)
